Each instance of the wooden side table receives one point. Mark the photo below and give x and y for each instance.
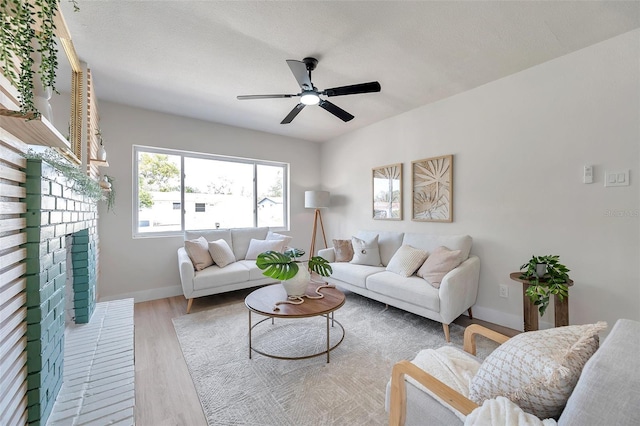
(561, 308)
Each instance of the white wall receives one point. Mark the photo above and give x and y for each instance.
(147, 268)
(519, 145)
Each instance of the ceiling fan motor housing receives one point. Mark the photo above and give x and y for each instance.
(310, 63)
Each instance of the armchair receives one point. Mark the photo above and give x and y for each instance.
(447, 395)
(606, 392)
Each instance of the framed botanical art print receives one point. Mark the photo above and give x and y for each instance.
(387, 192)
(432, 184)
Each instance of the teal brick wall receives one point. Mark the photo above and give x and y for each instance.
(54, 210)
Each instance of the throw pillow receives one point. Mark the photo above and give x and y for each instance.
(343, 249)
(198, 252)
(275, 236)
(366, 252)
(406, 260)
(260, 246)
(221, 253)
(537, 370)
(438, 264)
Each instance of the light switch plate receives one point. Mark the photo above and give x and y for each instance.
(616, 178)
(587, 176)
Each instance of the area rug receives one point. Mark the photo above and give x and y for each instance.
(350, 390)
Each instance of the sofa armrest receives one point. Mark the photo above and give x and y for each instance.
(328, 253)
(187, 272)
(398, 404)
(459, 289)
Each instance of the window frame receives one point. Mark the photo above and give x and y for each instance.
(137, 149)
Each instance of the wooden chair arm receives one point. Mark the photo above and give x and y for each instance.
(398, 404)
(474, 329)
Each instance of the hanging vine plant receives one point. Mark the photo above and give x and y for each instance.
(81, 182)
(21, 39)
(110, 195)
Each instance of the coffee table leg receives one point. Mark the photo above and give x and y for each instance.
(249, 334)
(328, 340)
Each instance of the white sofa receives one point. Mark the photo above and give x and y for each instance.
(213, 280)
(457, 293)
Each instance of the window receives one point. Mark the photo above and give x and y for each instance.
(216, 191)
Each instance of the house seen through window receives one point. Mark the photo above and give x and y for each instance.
(228, 192)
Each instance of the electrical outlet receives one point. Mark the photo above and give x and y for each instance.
(504, 291)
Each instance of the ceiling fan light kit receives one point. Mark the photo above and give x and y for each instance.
(310, 98)
(310, 95)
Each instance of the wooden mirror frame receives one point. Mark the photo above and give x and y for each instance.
(387, 181)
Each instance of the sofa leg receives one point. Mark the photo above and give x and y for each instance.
(470, 313)
(189, 303)
(445, 327)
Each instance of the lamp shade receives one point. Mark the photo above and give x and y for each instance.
(316, 199)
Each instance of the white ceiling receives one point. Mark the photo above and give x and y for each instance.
(192, 58)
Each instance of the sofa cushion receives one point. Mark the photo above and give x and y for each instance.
(406, 261)
(241, 238)
(259, 246)
(429, 242)
(353, 274)
(439, 263)
(343, 250)
(538, 369)
(409, 289)
(365, 252)
(388, 242)
(198, 251)
(221, 253)
(216, 276)
(609, 382)
(210, 235)
(275, 236)
(255, 273)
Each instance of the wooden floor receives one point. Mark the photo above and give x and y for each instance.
(165, 395)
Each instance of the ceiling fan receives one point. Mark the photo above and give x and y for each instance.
(310, 95)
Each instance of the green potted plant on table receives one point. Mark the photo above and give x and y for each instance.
(546, 276)
(286, 267)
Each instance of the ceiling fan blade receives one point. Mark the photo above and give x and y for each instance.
(354, 89)
(244, 97)
(299, 70)
(296, 109)
(335, 110)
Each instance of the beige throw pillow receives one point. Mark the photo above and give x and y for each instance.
(343, 249)
(406, 260)
(221, 253)
(260, 246)
(366, 252)
(438, 264)
(537, 370)
(275, 236)
(198, 251)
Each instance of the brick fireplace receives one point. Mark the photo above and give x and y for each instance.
(55, 211)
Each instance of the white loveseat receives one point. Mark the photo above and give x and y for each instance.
(457, 293)
(213, 280)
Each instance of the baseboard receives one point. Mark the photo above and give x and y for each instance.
(514, 322)
(146, 295)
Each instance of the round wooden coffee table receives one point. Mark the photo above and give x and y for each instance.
(263, 301)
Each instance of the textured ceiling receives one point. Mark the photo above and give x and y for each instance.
(192, 58)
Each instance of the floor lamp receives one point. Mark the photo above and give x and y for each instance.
(316, 200)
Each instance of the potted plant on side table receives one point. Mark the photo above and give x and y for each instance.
(286, 267)
(545, 280)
